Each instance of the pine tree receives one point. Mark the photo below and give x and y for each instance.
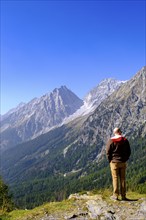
(6, 203)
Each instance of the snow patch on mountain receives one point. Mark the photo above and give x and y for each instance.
(93, 99)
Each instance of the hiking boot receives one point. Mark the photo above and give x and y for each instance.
(125, 199)
(114, 198)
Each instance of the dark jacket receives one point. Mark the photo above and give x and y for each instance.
(118, 149)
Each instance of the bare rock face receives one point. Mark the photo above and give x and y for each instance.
(94, 98)
(125, 108)
(38, 116)
(102, 91)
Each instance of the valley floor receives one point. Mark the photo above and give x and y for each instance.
(86, 206)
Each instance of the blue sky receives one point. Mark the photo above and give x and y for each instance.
(46, 44)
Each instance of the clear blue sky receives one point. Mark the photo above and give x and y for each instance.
(46, 44)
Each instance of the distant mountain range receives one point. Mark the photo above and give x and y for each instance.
(70, 157)
(30, 120)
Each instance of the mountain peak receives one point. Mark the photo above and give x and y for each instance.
(111, 82)
(39, 115)
(143, 68)
(141, 72)
(105, 88)
(62, 88)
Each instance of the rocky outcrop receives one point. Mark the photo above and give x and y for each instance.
(87, 207)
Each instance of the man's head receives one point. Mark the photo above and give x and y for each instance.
(117, 131)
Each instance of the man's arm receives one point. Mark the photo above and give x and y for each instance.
(128, 149)
(109, 150)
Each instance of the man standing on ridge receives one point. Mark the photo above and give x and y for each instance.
(118, 152)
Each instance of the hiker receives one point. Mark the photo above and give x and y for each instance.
(118, 152)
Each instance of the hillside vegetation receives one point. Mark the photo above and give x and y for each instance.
(39, 189)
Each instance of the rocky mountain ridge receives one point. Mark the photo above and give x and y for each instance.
(125, 108)
(38, 116)
(32, 119)
(94, 97)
